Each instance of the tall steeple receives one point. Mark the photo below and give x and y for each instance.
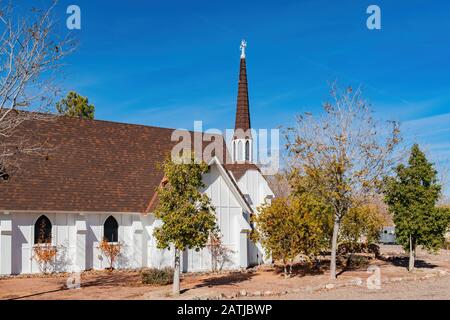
(242, 139)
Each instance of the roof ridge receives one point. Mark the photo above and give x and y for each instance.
(56, 116)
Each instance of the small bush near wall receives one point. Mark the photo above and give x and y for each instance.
(157, 276)
(112, 251)
(44, 254)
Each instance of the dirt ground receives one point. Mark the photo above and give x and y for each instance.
(431, 280)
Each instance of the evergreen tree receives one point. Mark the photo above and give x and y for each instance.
(412, 196)
(75, 105)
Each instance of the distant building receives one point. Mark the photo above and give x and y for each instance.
(387, 235)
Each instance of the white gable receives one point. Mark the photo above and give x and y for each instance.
(255, 187)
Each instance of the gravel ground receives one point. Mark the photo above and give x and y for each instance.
(431, 280)
(429, 289)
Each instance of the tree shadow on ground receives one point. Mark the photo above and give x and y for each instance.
(226, 280)
(300, 269)
(353, 262)
(111, 280)
(403, 261)
(62, 288)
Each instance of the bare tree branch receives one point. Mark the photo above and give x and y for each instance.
(30, 53)
(341, 156)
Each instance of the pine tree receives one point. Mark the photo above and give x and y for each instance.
(412, 196)
(187, 214)
(75, 105)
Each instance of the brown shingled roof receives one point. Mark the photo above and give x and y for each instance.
(239, 169)
(92, 166)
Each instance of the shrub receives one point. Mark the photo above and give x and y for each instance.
(111, 250)
(44, 254)
(347, 247)
(375, 249)
(357, 262)
(220, 253)
(157, 276)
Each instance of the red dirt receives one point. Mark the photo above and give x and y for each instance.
(432, 275)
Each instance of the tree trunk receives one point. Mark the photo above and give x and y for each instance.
(411, 254)
(176, 274)
(334, 249)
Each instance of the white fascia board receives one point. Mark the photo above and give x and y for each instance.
(243, 224)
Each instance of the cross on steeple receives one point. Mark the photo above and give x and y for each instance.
(243, 46)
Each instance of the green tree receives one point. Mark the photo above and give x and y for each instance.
(286, 228)
(75, 105)
(187, 215)
(412, 195)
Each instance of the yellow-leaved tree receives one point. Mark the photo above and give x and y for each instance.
(287, 228)
(340, 156)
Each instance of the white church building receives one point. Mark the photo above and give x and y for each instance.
(97, 180)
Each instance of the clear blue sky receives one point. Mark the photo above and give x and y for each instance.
(168, 63)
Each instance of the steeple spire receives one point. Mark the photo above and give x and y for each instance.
(242, 109)
(242, 140)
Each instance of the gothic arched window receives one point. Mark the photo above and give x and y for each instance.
(111, 230)
(240, 150)
(42, 230)
(247, 151)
